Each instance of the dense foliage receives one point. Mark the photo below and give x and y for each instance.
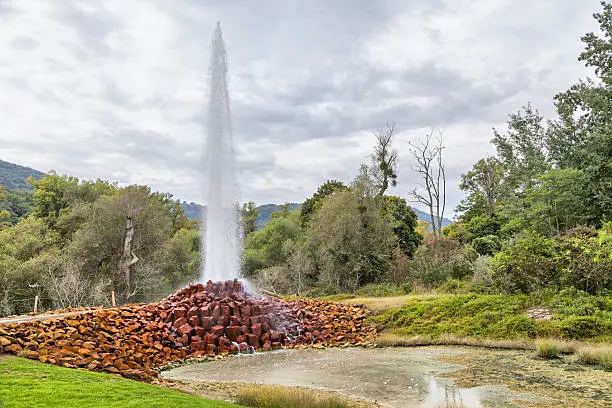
(82, 240)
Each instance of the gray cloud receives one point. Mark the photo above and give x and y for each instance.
(117, 89)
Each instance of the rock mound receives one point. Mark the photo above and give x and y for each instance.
(216, 318)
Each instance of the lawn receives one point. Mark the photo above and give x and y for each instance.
(26, 383)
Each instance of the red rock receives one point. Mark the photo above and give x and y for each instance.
(207, 323)
(13, 348)
(185, 329)
(256, 329)
(194, 321)
(199, 331)
(252, 340)
(217, 330)
(180, 322)
(179, 312)
(232, 332)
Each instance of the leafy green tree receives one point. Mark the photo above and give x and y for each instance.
(269, 247)
(312, 204)
(351, 241)
(556, 202)
(404, 221)
(487, 245)
(522, 150)
(53, 194)
(484, 187)
(581, 137)
(249, 214)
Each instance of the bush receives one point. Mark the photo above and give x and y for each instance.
(487, 245)
(526, 264)
(440, 259)
(584, 256)
(547, 349)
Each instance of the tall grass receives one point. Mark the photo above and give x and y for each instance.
(547, 349)
(270, 396)
(594, 355)
(390, 339)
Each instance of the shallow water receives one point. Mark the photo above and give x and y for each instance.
(393, 377)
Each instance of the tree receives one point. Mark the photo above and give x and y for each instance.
(351, 241)
(312, 204)
(556, 202)
(581, 137)
(522, 150)
(483, 184)
(404, 221)
(384, 159)
(429, 165)
(249, 214)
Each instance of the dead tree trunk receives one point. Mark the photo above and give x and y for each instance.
(432, 190)
(127, 261)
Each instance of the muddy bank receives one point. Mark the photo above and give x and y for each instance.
(408, 377)
(559, 382)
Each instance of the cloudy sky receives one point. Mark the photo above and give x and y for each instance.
(116, 89)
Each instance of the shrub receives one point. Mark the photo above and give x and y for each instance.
(526, 264)
(600, 356)
(585, 259)
(487, 245)
(440, 259)
(547, 349)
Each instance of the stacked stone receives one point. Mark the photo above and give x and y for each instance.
(126, 340)
(221, 318)
(215, 318)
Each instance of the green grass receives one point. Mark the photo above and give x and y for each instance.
(26, 383)
(270, 396)
(499, 317)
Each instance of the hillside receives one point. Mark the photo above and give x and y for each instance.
(13, 175)
(193, 211)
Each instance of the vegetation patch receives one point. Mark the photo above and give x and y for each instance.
(270, 396)
(599, 356)
(499, 317)
(25, 383)
(547, 349)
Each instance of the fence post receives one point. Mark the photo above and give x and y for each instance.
(36, 304)
(114, 303)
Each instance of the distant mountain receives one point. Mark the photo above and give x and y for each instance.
(193, 211)
(424, 216)
(13, 175)
(266, 211)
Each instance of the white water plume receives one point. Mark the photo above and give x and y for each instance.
(221, 239)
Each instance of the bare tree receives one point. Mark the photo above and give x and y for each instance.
(429, 165)
(384, 158)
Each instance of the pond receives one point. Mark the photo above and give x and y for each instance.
(393, 377)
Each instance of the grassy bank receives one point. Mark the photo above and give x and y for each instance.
(500, 317)
(26, 383)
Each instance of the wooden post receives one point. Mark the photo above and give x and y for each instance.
(113, 299)
(36, 304)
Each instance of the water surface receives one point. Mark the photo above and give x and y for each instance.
(393, 377)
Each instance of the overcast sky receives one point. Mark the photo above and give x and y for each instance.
(116, 89)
